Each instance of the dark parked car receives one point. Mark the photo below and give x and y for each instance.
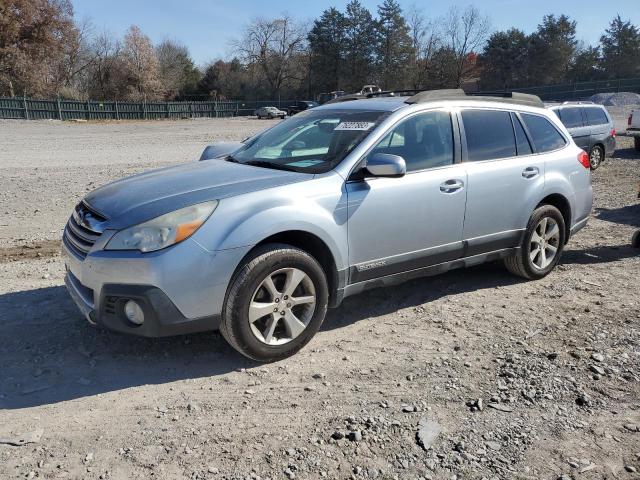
(591, 128)
(301, 106)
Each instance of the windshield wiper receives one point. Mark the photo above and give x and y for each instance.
(267, 164)
(231, 158)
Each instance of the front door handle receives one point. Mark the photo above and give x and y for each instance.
(451, 186)
(530, 172)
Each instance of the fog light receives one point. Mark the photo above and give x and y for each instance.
(134, 312)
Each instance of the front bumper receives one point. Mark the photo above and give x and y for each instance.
(181, 289)
(161, 317)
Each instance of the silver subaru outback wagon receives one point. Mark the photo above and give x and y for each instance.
(259, 241)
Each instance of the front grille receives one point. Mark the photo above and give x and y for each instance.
(83, 230)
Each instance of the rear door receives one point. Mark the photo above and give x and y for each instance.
(504, 175)
(574, 119)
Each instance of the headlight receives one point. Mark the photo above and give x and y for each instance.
(163, 231)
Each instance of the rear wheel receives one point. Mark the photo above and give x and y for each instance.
(636, 142)
(635, 239)
(596, 156)
(541, 246)
(276, 303)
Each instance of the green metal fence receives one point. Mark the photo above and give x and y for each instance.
(577, 90)
(36, 109)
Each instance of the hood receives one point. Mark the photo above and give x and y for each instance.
(145, 196)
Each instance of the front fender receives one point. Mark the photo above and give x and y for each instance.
(317, 206)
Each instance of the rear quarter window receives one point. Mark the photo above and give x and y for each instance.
(596, 116)
(544, 134)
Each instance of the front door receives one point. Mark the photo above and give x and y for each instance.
(401, 224)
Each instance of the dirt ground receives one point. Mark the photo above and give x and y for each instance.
(474, 374)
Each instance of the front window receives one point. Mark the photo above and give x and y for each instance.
(310, 142)
(424, 141)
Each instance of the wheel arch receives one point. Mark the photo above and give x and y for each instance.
(314, 246)
(561, 203)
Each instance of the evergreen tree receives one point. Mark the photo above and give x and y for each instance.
(395, 46)
(359, 47)
(326, 49)
(585, 65)
(504, 60)
(551, 50)
(621, 49)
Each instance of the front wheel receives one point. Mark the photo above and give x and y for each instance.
(596, 156)
(542, 244)
(636, 143)
(275, 304)
(635, 239)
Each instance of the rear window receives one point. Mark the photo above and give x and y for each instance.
(571, 117)
(596, 116)
(489, 134)
(545, 136)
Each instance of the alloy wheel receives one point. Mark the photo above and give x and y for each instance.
(595, 158)
(282, 306)
(545, 242)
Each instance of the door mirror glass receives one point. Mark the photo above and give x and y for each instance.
(386, 165)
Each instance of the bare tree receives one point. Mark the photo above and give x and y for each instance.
(106, 75)
(78, 61)
(427, 40)
(277, 47)
(466, 31)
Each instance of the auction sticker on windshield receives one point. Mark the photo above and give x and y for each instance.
(354, 126)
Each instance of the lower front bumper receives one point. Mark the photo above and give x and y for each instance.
(161, 316)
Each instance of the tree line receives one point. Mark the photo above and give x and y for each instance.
(45, 52)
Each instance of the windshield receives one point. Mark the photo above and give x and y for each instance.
(310, 142)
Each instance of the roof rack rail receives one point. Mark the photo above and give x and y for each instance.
(393, 93)
(457, 94)
(384, 93)
(513, 97)
(435, 95)
(423, 96)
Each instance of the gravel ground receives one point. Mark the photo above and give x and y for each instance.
(473, 374)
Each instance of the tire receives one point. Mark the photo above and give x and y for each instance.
(525, 263)
(596, 157)
(272, 336)
(636, 143)
(635, 239)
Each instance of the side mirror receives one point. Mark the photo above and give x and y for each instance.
(386, 165)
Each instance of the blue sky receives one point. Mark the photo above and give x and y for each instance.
(206, 26)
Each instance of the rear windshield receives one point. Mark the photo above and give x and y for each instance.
(312, 141)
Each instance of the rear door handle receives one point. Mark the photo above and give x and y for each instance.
(530, 172)
(451, 186)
